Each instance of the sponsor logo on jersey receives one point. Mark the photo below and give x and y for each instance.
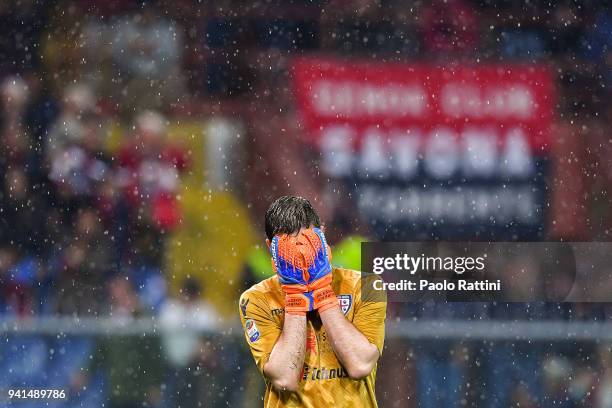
(243, 305)
(322, 373)
(251, 330)
(345, 302)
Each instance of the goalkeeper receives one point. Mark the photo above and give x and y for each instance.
(314, 337)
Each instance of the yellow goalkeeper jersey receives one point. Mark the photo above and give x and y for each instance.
(324, 382)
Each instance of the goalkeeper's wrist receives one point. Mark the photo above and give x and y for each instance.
(324, 298)
(298, 303)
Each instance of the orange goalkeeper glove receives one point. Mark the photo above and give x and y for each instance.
(319, 273)
(288, 263)
(302, 263)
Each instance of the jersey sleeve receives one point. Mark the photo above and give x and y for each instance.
(260, 329)
(370, 312)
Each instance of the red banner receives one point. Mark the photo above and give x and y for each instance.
(424, 136)
(396, 95)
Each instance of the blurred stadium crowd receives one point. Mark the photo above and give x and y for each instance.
(142, 141)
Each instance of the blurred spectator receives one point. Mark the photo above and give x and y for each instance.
(131, 363)
(359, 28)
(150, 283)
(22, 23)
(449, 28)
(23, 210)
(557, 374)
(371, 28)
(565, 28)
(603, 388)
(149, 170)
(41, 111)
(84, 266)
(522, 36)
(147, 51)
(16, 143)
(599, 37)
(513, 367)
(60, 45)
(81, 167)
(582, 384)
(188, 355)
(597, 47)
(442, 366)
(17, 279)
(78, 105)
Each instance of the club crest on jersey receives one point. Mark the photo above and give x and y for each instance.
(345, 302)
(251, 330)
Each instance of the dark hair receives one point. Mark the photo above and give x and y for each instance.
(288, 214)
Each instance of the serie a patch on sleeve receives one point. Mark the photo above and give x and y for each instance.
(251, 330)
